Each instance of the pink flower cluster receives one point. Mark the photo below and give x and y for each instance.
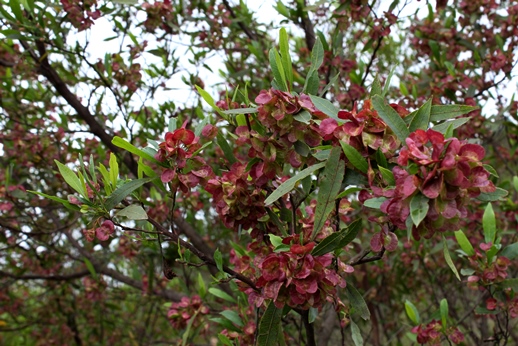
(431, 334)
(180, 313)
(81, 13)
(446, 171)
(297, 278)
(102, 233)
(178, 147)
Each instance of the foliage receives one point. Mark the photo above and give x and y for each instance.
(332, 188)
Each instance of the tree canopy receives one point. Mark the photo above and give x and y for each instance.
(193, 173)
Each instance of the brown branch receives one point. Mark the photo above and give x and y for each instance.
(307, 25)
(373, 56)
(242, 25)
(362, 258)
(63, 277)
(46, 70)
(100, 267)
(205, 257)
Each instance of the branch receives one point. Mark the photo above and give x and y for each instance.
(205, 257)
(362, 258)
(373, 56)
(46, 70)
(307, 25)
(64, 277)
(242, 25)
(102, 269)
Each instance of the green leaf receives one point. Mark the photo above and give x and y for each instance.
(312, 314)
(511, 283)
(277, 70)
(447, 257)
(391, 118)
(446, 112)
(270, 326)
(374, 203)
(126, 2)
(387, 175)
(225, 147)
(106, 179)
(312, 82)
(357, 302)
(464, 243)
(224, 340)
(510, 251)
(285, 56)
(241, 111)
(489, 224)
(123, 191)
(375, 87)
(492, 196)
(218, 258)
(326, 107)
(355, 158)
(444, 313)
(202, 289)
(443, 127)
(331, 181)
(114, 170)
(412, 313)
(221, 294)
(66, 203)
(337, 240)
(210, 101)
(289, 184)
(71, 179)
(233, 317)
(418, 208)
(356, 334)
(515, 182)
(133, 212)
(387, 82)
(422, 117)
(122, 143)
(90, 267)
(303, 116)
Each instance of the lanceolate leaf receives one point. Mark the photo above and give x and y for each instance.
(418, 208)
(133, 212)
(122, 143)
(412, 312)
(355, 158)
(510, 251)
(240, 111)
(464, 243)
(331, 181)
(391, 118)
(443, 127)
(285, 56)
(326, 107)
(447, 257)
(492, 196)
(277, 70)
(355, 334)
(375, 87)
(289, 184)
(66, 203)
(489, 224)
(439, 113)
(357, 302)
(422, 117)
(337, 240)
(270, 326)
(123, 191)
(71, 179)
(444, 312)
(225, 147)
